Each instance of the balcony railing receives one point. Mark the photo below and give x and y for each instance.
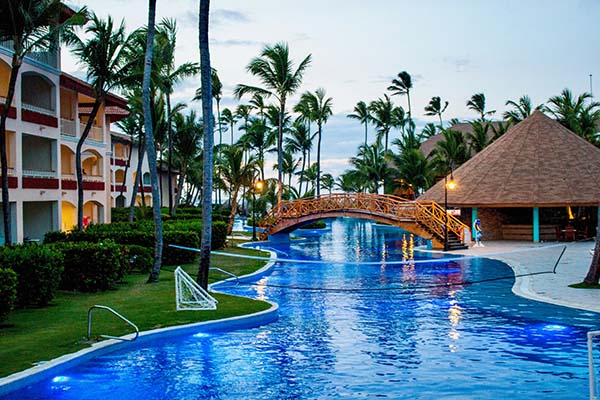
(33, 173)
(95, 134)
(67, 127)
(86, 178)
(3, 101)
(40, 110)
(49, 57)
(11, 171)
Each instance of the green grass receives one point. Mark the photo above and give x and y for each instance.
(584, 285)
(33, 335)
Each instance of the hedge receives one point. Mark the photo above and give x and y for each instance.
(91, 267)
(8, 291)
(315, 225)
(38, 270)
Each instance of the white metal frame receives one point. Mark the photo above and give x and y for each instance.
(590, 342)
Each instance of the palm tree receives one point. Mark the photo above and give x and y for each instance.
(257, 102)
(500, 128)
(186, 146)
(477, 104)
(327, 182)
(320, 111)
(350, 182)
(104, 56)
(228, 117)
(520, 110)
(235, 174)
(371, 165)
(382, 116)
(169, 75)
(300, 140)
(259, 138)
(158, 237)
(401, 86)
(580, 114)
(32, 25)
(478, 139)
(207, 166)
(363, 115)
(429, 130)
(276, 71)
(414, 169)
(435, 108)
(290, 166)
(309, 175)
(450, 152)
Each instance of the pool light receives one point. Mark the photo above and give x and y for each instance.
(60, 379)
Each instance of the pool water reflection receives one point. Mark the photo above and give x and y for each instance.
(411, 331)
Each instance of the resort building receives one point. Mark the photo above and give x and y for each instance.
(47, 116)
(537, 182)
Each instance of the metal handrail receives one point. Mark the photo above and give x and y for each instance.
(592, 378)
(89, 332)
(237, 278)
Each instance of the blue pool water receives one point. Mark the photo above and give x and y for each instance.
(429, 340)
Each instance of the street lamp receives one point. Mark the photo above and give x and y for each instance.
(448, 184)
(257, 187)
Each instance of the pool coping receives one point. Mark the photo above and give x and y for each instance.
(46, 369)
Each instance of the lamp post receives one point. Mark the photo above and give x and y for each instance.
(447, 185)
(258, 185)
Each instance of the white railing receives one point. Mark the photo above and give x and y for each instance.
(32, 173)
(37, 109)
(49, 57)
(87, 178)
(95, 134)
(67, 127)
(592, 377)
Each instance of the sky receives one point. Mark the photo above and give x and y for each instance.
(452, 49)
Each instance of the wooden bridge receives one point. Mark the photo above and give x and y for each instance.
(422, 218)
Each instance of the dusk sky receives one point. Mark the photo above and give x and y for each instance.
(504, 49)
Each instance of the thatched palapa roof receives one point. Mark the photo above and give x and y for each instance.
(537, 163)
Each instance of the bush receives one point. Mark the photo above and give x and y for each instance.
(315, 225)
(219, 235)
(55, 236)
(138, 258)
(173, 256)
(38, 270)
(91, 267)
(8, 291)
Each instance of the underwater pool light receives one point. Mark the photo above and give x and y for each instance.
(60, 379)
(554, 327)
(201, 335)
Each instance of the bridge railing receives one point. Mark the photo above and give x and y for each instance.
(427, 213)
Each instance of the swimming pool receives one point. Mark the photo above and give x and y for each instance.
(359, 339)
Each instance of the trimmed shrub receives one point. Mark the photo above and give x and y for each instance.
(38, 270)
(173, 256)
(8, 291)
(91, 267)
(219, 235)
(138, 258)
(55, 236)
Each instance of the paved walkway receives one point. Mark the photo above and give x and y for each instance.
(550, 288)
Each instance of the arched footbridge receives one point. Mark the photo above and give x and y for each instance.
(422, 218)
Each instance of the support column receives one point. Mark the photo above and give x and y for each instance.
(536, 224)
(473, 219)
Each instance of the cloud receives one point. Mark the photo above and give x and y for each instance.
(235, 42)
(459, 64)
(223, 16)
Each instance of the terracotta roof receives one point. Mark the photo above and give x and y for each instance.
(538, 162)
(71, 82)
(465, 127)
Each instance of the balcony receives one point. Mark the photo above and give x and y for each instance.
(49, 57)
(39, 110)
(39, 179)
(68, 127)
(95, 134)
(13, 111)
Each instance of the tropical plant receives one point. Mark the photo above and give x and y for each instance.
(186, 146)
(350, 182)
(300, 140)
(259, 138)
(402, 85)
(363, 115)
(309, 175)
(450, 152)
(290, 166)
(230, 118)
(207, 124)
(276, 71)
(435, 107)
(320, 111)
(381, 114)
(477, 104)
(414, 169)
(371, 165)
(31, 25)
(327, 182)
(103, 53)
(429, 130)
(521, 109)
(479, 138)
(580, 115)
(500, 128)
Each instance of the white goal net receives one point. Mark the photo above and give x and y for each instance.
(189, 295)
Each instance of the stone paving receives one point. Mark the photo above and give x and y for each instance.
(527, 257)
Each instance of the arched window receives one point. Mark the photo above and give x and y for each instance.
(38, 91)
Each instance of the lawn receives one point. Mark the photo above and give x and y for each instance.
(33, 335)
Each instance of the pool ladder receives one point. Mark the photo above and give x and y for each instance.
(590, 339)
(89, 320)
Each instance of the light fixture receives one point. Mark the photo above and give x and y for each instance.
(448, 184)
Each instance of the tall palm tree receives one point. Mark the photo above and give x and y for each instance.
(435, 107)
(229, 118)
(363, 115)
(300, 140)
(320, 111)
(477, 104)
(521, 109)
(207, 166)
(478, 139)
(259, 138)
(327, 182)
(275, 70)
(450, 152)
(309, 175)
(186, 146)
(401, 86)
(580, 115)
(31, 25)
(500, 128)
(103, 53)
(257, 102)
(429, 130)
(371, 165)
(414, 169)
(350, 182)
(156, 214)
(382, 116)
(290, 166)
(235, 174)
(169, 75)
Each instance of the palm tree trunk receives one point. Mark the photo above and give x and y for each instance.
(207, 172)
(14, 73)
(280, 152)
(151, 153)
(302, 173)
(366, 135)
(78, 168)
(319, 161)
(138, 181)
(234, 207)
(179, 187)
(409, 109)
(170, 156)
(232, 132)
(593, 274)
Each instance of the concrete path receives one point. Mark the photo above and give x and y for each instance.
(527, 257)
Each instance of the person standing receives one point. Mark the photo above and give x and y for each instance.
(478, 234)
